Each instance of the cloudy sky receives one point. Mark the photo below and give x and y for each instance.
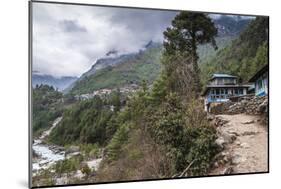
(68, 39)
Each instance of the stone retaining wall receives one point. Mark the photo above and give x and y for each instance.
(251, 105)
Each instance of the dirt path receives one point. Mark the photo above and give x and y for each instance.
(245, 145)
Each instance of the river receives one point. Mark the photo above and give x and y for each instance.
(47, 154)
(50, 154)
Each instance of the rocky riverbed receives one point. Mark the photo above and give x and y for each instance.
(46, 155)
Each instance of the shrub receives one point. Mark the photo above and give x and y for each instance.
(119, 139)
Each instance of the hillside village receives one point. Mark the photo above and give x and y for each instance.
(126, 91)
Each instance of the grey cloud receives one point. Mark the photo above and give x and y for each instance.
(72, 26)
(148, 23)
(68, 39)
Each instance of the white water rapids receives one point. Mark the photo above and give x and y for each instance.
(50, 154)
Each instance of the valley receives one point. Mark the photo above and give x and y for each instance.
(141, 115)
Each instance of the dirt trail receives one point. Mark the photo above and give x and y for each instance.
(247, 147)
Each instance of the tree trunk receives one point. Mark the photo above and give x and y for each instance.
(196, 71)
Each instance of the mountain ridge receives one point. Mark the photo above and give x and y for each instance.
(60, 83)
(126, 69)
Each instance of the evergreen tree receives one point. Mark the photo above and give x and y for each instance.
(189, 30)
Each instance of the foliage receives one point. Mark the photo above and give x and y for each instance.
(119, 139)
(115, 99)
(86, 170)
(68, 165)
(179, 74)
(88, 121)
(189, 30)
(127, 119)
(178, 130)
(89, 150)
(206, 52)
(185, 133)
(46, 107)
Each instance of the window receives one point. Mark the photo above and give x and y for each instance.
(227, 91)
(236, 91)
(220, 81)
(217, 91)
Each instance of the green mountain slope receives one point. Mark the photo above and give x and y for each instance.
(229, 29)
(243, 56)
(145, 65)
(207, 52)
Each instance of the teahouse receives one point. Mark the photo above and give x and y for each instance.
(222, 87)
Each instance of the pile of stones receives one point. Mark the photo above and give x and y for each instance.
(252, 105)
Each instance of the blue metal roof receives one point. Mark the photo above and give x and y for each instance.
(223, 75)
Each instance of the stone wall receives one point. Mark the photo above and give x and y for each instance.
(251, 105)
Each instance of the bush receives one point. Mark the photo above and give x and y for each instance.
(68, 165)
(186, 134)
(159, 141)
(86, 170)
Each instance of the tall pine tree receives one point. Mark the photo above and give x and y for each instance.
(188, 30)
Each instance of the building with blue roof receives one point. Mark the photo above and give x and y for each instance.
(221, 88)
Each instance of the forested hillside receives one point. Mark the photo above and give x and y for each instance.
(144, 65)
(229, 28)
(46, 107)
(90, 121)
(244, 56)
